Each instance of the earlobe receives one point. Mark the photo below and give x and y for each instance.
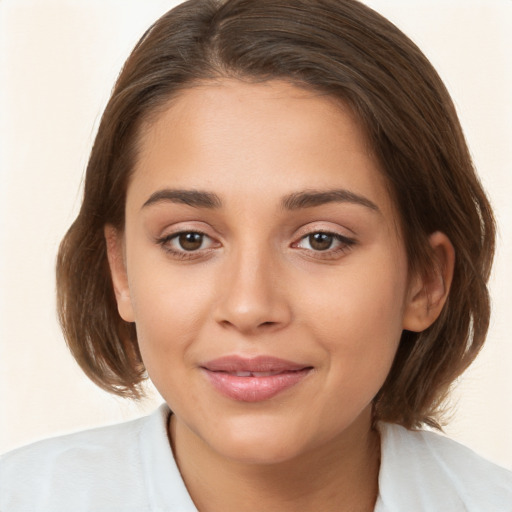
(117, 264)
(429, 291)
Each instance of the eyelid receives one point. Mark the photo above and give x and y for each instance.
(167, 238)
(336, 236)
(346, 243)
(175, 236)
(326, 227)
(172, 229)
(342, 242)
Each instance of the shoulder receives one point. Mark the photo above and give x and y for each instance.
(422, 467)
(90, 470)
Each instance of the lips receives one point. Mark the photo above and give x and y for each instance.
(254, 379)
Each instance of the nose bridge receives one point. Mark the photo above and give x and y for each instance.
(252, 296)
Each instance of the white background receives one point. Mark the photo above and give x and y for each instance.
(58, 62)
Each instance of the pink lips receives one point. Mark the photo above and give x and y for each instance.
(255, 379)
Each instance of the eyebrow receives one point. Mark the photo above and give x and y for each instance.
(296, 201)
(312, 198)
(195, 198)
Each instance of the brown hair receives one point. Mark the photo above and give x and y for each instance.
(346, 50)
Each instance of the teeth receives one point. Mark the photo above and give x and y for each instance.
(256, 374)
(243, 374)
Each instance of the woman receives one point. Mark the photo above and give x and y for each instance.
(282, 226)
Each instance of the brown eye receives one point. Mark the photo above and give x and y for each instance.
(188, 245)
(325, 245)
(320, 241)
(190, 241)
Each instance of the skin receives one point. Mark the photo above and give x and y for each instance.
(258, 285)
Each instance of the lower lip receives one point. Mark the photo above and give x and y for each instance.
(254, 389)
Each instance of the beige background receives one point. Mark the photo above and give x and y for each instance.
(58, 61)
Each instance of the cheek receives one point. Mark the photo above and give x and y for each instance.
(357, 314)
(169, 311)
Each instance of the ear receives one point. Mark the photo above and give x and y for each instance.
(428, 292)
(117, 263)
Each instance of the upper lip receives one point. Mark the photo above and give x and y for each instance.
(234, 363)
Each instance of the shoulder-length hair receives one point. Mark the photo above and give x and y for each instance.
(343, 49)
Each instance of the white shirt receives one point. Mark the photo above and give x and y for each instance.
(130, 467)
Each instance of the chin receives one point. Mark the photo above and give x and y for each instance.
(258, 442)
(260, 451)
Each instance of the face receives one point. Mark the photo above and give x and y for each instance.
(264, 269)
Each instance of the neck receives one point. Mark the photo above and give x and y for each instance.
(341, 475)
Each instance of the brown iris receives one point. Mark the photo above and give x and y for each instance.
(320, 241)
(190, 241)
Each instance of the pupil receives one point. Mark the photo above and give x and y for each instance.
(191, 241)
(320, 241)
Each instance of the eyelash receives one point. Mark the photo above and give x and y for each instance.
(328, 254)
(165, 241)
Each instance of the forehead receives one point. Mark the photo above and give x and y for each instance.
(248, 141)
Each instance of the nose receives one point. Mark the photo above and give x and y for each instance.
(252, 294)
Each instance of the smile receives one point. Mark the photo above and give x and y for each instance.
(253, 380)
(256, 374)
